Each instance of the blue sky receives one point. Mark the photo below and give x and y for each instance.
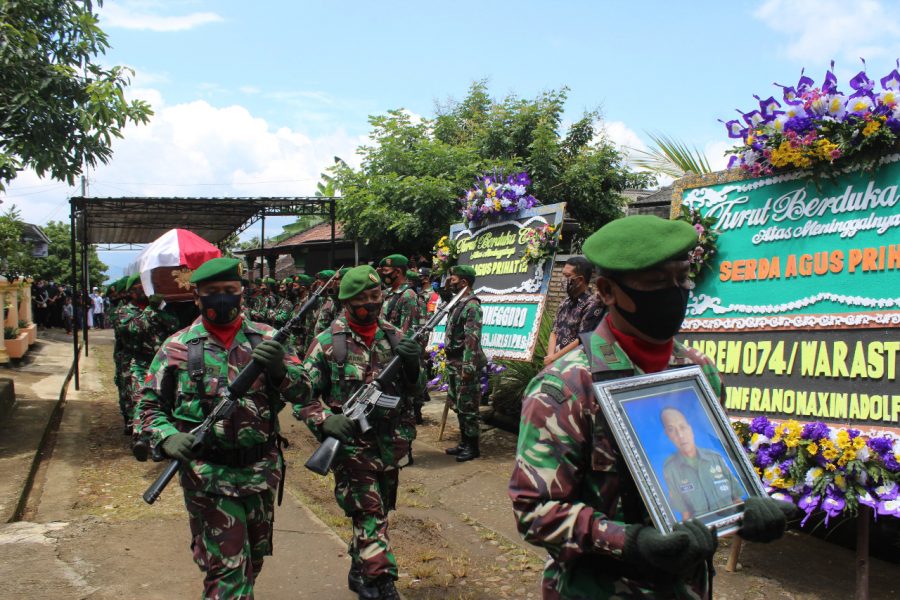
(256, 98)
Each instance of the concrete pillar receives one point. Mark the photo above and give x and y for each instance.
(4, 357)
(25, 303)
(12, 317)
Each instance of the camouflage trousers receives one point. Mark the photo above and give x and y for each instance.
(137, 373)
(230, 536)
(122, 380)
(589, 584)
(367, 497)
(465, 397)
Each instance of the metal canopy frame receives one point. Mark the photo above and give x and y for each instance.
(123, 223)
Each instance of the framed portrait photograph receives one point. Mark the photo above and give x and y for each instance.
(677, 442)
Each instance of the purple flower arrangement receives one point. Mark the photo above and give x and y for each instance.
(497, 194)
(437, 357)
(818, 126)
(818, 467)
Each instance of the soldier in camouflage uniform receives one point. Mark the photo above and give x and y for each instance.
(229, 487)
(401, 305)
(125, 348)
(322, 278)
(284, 304)
(302, 333)
(350, 353)
(331, 305)
(465, 361)
(147, 332)
(265, 302)
(570, 489)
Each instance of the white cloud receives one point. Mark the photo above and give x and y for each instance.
(819, 30)
(195, 149)
(625, 138)
(130, 15)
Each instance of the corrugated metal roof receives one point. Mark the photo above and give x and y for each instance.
(140, 220)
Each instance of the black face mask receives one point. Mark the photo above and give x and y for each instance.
(658, 314)
(364, 314)
(388, 278)
(572, 287)
(446, 293)
(220, 309)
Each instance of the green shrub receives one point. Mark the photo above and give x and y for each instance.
(10, 333)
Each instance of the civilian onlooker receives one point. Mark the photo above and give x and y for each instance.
(40, 299)
(578, 313)
(68, 315)
(95, 315)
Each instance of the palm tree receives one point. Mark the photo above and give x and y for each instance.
(671, 157)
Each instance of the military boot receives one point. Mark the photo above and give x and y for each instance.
(368, 589)
(386, 588)
(418, 411)
(469, 451)
(355, 579)
(457, 448)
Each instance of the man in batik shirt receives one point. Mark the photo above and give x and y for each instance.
(580, 311)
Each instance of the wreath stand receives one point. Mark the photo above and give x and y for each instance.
(863, 527)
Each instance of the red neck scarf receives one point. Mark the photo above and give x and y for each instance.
(224, 333)
(366, 332)
(650, 357)
(141, 304)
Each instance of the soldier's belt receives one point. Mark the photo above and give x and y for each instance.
(239, 457)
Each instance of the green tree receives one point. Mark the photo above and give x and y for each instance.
(12, 251)
(56, 266)
(404, 196)
(59, 109)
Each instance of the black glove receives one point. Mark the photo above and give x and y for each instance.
(155, 300)
(270, 355)
(340, 427)
(764, 519)
(677, 553)
(178, 446)
(410, 353)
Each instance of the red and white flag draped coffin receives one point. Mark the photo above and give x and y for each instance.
(167, 264)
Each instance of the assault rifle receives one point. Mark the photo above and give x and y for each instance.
(360, 405)
(228, 398)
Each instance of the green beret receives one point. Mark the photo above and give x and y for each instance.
(464, 271)
(344, 271)
(218, 269)
(269, 281)
(394, 260)
(638, 242)
(325, 275)
(287, 281)
(257, 281)
(132, 281)
(305, 280)
(412, 275)
(357, 280)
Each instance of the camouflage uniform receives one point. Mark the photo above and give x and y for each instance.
(465, 360)
(365, 472)
(229, 489)
(281, 312)
(147, 331)
(123, 352)
(260, 312)
(570, 490)
(401, 308)
(331, 307)
(301, 335)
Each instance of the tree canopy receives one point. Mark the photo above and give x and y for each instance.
(56, 266)
(59, 109)
(404, 195)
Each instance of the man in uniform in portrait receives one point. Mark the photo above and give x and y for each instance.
(698, 479)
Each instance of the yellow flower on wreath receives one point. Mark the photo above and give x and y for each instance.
(812, 448)
(871, 127)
